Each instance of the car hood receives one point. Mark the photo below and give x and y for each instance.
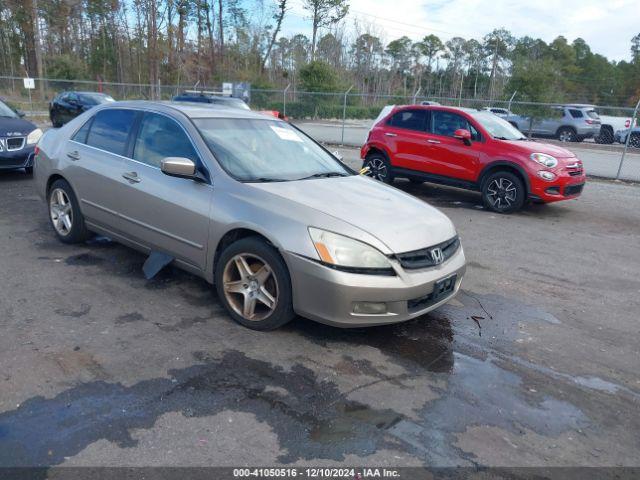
(398, 220)
(15, 127)
(528, 146)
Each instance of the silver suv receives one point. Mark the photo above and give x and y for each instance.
(569, 123)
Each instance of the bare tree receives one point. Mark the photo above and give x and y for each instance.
(281, 10)
(324, 13)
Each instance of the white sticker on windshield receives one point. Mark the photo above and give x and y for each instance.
(286, 134)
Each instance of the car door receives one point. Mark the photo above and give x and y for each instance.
(550, 124)
(165, 213)
(94, 163)
(449, 156)
(405, 135)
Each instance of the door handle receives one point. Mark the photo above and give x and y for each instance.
(388, 134)
(433, 141)
(132, 177)
(73, 155)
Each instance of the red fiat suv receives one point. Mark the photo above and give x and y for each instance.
(470, 149)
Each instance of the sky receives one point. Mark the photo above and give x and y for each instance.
(606, 25)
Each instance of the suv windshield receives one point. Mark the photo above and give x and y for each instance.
(497, 127)
(5, 111)
(253, 150)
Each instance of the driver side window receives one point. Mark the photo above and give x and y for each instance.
(446, 123)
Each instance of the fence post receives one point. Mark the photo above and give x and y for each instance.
(511, 100)
(344, 113)
(626, 143)
(284, 100)
(415, 95)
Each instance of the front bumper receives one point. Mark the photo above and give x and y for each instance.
(11, 160)
(328, 296)
(568, 184)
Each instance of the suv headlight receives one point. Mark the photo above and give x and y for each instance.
(544, 159)
(34, 136)
(340, 251)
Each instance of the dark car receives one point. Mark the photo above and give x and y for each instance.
(212, 99)
(18, 139)
(68, 105)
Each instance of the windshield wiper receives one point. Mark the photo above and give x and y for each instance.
(265, 180)
(325, 175)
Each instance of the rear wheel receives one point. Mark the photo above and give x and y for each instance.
(379, 167)
(634, 141)
(567, 134)
(503, 192)
(605, 136)
(253, 283)
(64, 213)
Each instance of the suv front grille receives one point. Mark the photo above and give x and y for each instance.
(425, 257)
(573, 189)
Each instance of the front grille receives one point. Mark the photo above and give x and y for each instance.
(575, 173)
(424, 258)
(14, 143)
(573, 189)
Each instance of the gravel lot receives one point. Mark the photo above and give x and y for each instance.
(534, 364)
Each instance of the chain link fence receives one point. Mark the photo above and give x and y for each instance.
(344, 118)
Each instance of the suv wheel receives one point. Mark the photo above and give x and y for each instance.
(503, 192)
(253, 283)
(605, 136)
(379, 167)
(634, 141)
(567, 134)
(64, 212)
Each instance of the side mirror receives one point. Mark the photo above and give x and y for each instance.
(178, 167)
(337, 154)
(464, 135)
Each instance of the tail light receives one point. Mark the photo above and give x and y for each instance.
(591, 122)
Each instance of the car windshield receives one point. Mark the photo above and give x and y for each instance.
(5, 111)
(94, 98)
(255, 150)
(497, 127)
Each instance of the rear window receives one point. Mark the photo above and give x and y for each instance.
(575, 113)
(593, 114)
(409, 120)
(110, 130)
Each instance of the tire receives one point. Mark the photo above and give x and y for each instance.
(606, 135)
(634, 141)
(567, 134)
(28, 170)
(62, 199)
(379, 167)
(238, 284)
(503, 192)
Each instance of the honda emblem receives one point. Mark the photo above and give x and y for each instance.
(437, 256)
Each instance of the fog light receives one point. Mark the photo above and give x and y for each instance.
(546, 175)
(370, 308)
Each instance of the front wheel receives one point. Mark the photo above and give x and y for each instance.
(379, 168)
(634, 141)
(503, 192)
(253, 283)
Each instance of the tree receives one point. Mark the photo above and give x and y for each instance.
(497, 44)
(323, 14)
(318, 76)
(278, 16)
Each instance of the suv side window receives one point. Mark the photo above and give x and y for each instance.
(446, 123)
(110, 130)
(575, 113)
(410, 120)
(161, 137)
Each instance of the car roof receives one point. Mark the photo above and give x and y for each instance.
(190, 109)
(440, 107)
(85, 93)
(579, 105)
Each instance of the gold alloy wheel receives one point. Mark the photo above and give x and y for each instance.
(250, 286)
(61, 212)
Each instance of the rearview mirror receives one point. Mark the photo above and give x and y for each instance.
(464, 135)
(178, 167)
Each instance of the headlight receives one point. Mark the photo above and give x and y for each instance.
(544, 159)
(342, 251)
(34, 136)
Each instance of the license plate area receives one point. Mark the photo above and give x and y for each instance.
(441, 289)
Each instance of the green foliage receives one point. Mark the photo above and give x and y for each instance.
(318, 76)
(66, 67)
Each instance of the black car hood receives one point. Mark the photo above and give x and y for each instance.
(15, 127)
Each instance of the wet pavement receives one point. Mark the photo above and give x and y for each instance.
(534, 363)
